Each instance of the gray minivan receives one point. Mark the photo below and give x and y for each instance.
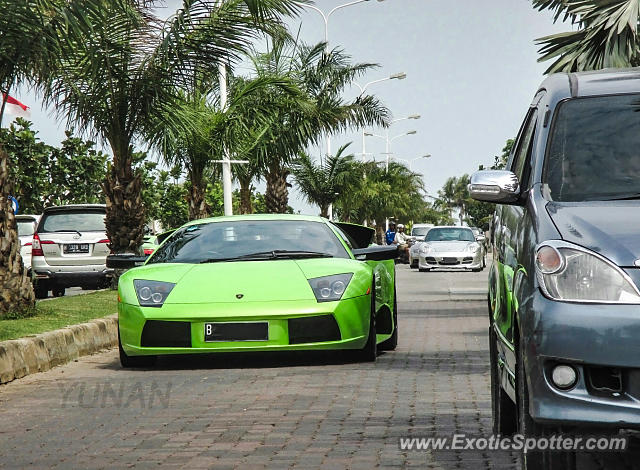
(70, 247)
(564, 288)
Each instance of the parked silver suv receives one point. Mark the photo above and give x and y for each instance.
(69, 249)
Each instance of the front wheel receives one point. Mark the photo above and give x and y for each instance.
(392, 343)
(41, 290)
(536, 460)
(369, 352)
(58, 292)
(424, 270)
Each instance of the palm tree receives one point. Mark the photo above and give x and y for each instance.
(324, 182)
(607, 35)
(297, 122)
(32, 35)
(126, 79)
(454, 195)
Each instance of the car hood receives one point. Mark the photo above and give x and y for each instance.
(255, 281)
(610, 228)
(449, 246)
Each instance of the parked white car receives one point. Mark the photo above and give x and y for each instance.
(26, 228)
(451, 247)
(418, 232)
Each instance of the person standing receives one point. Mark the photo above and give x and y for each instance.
(390, 235)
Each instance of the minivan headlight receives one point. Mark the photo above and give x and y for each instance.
(152, 293)
(574, 274)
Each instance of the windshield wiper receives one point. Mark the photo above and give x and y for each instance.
(273, 254)
(67, 231)
(621, 197)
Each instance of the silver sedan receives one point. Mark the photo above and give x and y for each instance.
(451, 248)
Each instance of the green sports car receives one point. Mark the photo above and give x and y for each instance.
(258, 283)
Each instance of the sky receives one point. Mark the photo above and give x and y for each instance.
(471, 69)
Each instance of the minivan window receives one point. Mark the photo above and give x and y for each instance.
(80, 221)
(26, 228)
(594, 151)
(522, 152)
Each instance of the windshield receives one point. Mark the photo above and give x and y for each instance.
(74, 221)
(450, 234)
(594, 153)
(240, 239)
(419, 231)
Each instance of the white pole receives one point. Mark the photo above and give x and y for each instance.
(226, 161)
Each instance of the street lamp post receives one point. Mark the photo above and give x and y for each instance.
(325, 17)
(410, 161)
(388, 142)
(395, 76)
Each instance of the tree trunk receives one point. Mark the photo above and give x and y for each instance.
(246, 206)
(125, 212)
(16, 291)
(198, 207)
(277, 194)
(324, 211)
(380, 235)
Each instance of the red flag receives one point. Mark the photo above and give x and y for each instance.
(12, 100)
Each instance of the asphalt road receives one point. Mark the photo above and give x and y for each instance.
(312, 410)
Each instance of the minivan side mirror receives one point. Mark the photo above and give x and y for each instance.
(499, 186)
(376, 253)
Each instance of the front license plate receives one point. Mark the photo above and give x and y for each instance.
(241, 331)
(76, 248)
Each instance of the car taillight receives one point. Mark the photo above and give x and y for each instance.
(37, 245)
(148, 251)
(105, 240)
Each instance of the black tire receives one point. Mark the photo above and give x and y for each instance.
(477, 270)
(41, 290)
(536, 460)
(504, 412)
(58, 291)
(392, 343)
(424, 270)
(127, 361)
(369, 352)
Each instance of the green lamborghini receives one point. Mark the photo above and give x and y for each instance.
(258, 283)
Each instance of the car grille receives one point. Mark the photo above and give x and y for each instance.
(313, 329)
(449, 261)
(166, 334)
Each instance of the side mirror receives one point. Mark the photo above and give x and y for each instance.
(376, 253)
(125, 261)
(481, 238)
(499, 186)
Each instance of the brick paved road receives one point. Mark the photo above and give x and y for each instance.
(303, 411)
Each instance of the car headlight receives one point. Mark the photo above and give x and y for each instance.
(152, 293)
(572, 273)
(425, 249)
(473, 247)
(330, 288)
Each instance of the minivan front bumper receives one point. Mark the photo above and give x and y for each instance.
(602, 344)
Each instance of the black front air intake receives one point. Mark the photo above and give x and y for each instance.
(166, 334)
(313, 329)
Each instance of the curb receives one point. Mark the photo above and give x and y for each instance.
(39, 353)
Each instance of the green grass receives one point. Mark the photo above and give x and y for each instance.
(60, 312)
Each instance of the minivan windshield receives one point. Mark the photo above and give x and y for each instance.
(419, 231)
(250, 240)
(74, 221)
(594, 151)
(449, 234)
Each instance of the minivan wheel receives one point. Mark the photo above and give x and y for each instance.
(503, 409)
(58, 291)
(536, 460)
(41, 290)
